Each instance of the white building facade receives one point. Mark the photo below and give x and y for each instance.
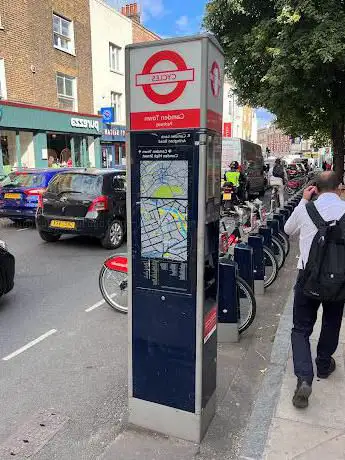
(232, 112)
(110, 33)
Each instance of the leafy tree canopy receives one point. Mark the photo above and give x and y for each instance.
(289, 57)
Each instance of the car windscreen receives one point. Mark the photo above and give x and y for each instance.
(86, 184)
(23, 180)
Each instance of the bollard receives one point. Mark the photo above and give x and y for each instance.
(281, 219)
(274, 225)
(289, 208)
(286, 213)
(243, 255)
(267, 233)
(228, 302)
(257, 243)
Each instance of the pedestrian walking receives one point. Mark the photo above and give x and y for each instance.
(324, 165)
(321, 268)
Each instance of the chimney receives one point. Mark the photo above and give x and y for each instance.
(132, 11)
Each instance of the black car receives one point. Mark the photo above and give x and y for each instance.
(7, 269)
(90, 202)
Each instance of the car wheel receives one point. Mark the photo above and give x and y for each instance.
(49, 237)
(114, 236)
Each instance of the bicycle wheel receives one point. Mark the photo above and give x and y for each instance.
(247, 304)
(285, 242)
(278, 251)
(271, 267)
(114, 288)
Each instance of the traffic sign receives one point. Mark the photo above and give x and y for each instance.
(176, 79)
(108, 114)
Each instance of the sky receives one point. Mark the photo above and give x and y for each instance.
(172, 18)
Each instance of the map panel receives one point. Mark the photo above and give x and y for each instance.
(164, 229)
(164, 179)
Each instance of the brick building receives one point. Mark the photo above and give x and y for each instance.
(274, 138)
(45, 62)
(140, 33)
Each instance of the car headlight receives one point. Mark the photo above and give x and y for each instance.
(3, 245)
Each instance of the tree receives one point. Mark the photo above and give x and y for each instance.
(289, 57)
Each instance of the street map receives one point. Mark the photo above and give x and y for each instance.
(164, 179)
(164, 209)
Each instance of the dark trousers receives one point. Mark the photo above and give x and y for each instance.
(304, 317)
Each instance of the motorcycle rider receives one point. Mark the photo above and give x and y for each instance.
(237, 178)
(278, 179)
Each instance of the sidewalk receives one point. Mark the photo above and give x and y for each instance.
(277, 430)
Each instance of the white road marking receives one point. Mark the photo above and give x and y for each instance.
(96, 305)
(22, 229)
(29, 345)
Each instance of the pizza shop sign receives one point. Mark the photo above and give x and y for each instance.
(85, 123)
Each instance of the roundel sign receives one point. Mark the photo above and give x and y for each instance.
(160, 83)
(215, 77)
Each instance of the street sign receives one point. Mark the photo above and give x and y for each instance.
(166, 90)
(147, 79)
(215, 77)
(108, 114)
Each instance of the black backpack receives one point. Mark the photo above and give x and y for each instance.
(324, 274)
(278, 171)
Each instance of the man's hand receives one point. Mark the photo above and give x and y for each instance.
(309, 192)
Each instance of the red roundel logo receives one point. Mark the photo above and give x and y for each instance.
(174, 81)
(215, 77)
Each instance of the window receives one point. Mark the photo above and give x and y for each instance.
(3, 89)
(116, 103)
(114, 57)
(63, 34)
(86, 184)
(67, 92)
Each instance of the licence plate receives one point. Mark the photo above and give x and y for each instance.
(227, 196)
(62, 224)
(13, 196)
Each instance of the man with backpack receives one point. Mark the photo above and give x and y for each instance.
(278, 179)
(321, 279)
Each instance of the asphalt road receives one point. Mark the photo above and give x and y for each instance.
(79, 368)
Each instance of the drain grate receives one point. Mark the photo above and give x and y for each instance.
(33, 435)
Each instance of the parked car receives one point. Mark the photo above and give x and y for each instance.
(88, 202)
(7, 269)
(20, 190)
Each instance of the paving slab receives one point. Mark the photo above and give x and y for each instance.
(289, 439)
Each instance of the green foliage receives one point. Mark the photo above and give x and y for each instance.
(287, 56)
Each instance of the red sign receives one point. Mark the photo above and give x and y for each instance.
(210, 323)
(178, 78)
(227, 130)
(167, 119)
(215, 77)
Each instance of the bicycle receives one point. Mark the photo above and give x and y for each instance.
(258, 217)
(281, 237)
(113, 282)
(240, 234)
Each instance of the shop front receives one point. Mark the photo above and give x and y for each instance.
(37, 137)
(113, 144)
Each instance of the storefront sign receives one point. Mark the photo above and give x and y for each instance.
(227, 131)
(84, 123)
